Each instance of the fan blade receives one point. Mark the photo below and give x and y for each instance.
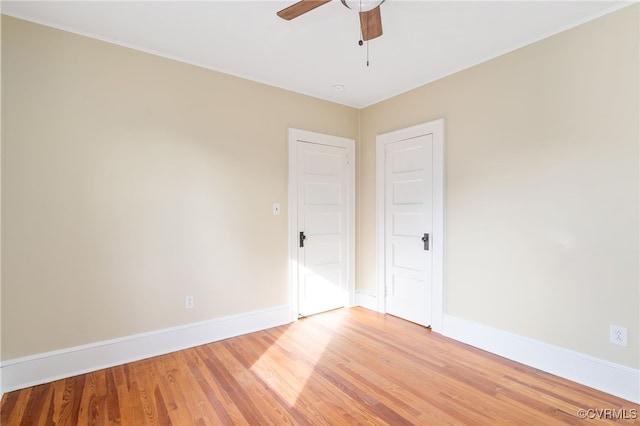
(302, 7)
(371, 24)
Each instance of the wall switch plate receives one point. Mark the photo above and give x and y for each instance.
(188, 302)
(276, 209)
(618, 335)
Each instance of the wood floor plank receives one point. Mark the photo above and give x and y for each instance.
(46, 415)
(344, 367)
(190, 397)
(223, 409)
(121, 394)
(176, 404)
(36, 404)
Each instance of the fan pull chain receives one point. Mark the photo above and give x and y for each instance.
(367, 52)
(360, 43)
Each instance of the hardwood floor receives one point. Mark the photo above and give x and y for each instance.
(350, 366)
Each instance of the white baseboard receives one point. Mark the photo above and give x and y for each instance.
(614, 379)
(46, 367)
(367, 301)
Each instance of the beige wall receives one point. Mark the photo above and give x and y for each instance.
(131, 181)
(542, 187)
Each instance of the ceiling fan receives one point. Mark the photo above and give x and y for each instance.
(369, 10)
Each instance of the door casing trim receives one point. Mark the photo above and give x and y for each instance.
(436, 128)
(295, 135)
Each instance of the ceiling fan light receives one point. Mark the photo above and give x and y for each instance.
(362, 5)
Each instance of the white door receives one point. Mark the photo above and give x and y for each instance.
(324, 228)
(409, 228)
(411, 211)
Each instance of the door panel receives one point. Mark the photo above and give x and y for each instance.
(407, 257)
(321, 193)
(404, 288)
(323, 253)
(408, 192)
(408, 216)
(323, 223)
(409, 159)
(408, 224)
(322, 164)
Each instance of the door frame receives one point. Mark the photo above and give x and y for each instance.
(436, 128)
(295, 136)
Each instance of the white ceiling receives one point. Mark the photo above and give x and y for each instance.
(422, 40)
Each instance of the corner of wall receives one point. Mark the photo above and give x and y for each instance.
(367, 301)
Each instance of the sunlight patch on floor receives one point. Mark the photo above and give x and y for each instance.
(288, 374)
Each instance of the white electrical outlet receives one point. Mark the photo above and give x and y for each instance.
(618, 335)
(188, 302)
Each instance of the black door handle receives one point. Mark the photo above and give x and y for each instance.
(302, 238)
(425, 240)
